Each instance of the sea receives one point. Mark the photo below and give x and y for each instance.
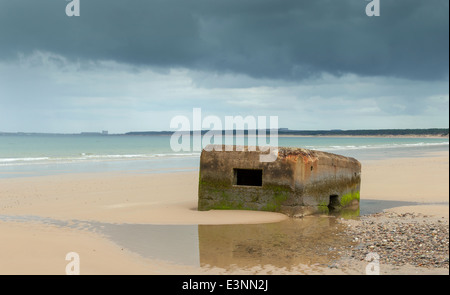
(48, 154)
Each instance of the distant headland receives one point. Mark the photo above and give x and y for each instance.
(431, 132)
(435, 132)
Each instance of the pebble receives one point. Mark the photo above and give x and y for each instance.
(400, 239)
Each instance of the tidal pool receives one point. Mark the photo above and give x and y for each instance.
(312, 240)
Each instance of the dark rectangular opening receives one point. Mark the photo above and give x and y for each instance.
(334, 204)
(249, 177)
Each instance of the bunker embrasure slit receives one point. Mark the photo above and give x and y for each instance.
(248, 177)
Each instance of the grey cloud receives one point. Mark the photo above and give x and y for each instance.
(286, 40)
(47, 93)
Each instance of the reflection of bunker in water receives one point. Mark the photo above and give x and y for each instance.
(299, 182)
(289, 243)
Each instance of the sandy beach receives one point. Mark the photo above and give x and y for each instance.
(30, 246)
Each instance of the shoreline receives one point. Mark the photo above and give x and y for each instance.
(370, 136)
(283, 133)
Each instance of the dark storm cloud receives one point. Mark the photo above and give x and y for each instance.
(278, 39)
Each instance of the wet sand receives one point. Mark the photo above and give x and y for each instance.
(33, 247)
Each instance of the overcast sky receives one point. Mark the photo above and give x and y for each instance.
(133, 65)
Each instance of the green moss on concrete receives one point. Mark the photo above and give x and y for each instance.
(214, 184)
(347, 199)
(323, 209)
(223, 207)
(278, 188)
(231, 198)
(226, 202)
(280, 195)
(324, 204)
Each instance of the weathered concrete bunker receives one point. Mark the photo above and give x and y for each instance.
(299, 182)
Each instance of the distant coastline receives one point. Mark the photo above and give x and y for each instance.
(370, 136)
(282, 132)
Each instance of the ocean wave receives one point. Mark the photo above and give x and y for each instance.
(377, 146)
(90, 158)
(11, 160)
